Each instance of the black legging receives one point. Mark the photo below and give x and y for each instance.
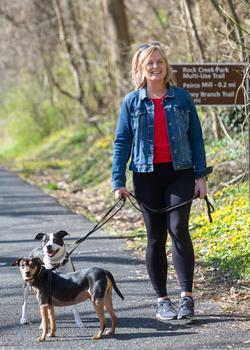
(166, 187)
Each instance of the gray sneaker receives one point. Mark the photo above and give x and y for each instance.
(165, 310)
(186, 308)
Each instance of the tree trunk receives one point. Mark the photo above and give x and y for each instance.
(81, 52)
(190, 45)
(68, 48)
(216, 127)
(237, 28)
(188, 6)
(117, 12)
(76, 56)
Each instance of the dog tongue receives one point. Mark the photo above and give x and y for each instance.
(51, 253)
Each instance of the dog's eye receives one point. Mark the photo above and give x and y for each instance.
(58, 241)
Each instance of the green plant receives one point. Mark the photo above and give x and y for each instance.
(225, 244)
(28, 115)
(52, 186)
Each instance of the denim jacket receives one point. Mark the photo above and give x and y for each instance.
(135, 135)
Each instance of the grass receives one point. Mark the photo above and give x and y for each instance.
(82, 159)
(81, 156)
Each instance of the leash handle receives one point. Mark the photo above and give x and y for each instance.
(210, 209)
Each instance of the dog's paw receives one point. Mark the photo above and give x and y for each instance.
(51, 334)
(109, 332)
(79, 323)
(41, 339)
(24, 321)
(97, 336)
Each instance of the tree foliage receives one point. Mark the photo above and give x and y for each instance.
(80, 50)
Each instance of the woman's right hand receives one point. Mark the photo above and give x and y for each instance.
(121, 192)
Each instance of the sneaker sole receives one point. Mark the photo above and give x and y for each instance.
(159, 318)
(185, 317)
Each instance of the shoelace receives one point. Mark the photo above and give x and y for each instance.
(186, 300)
(167, 305)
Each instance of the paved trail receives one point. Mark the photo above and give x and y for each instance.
(25, 211)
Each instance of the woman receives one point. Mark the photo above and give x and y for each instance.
(159, 129)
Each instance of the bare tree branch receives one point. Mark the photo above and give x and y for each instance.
(191, 21)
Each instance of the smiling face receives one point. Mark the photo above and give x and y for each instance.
(154, 68)
(52, 244)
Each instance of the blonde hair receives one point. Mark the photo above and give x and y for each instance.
(138, 63)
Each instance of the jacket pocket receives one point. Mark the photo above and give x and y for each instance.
(182, 117)
(138, 120)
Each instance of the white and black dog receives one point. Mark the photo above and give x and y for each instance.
(52, 252)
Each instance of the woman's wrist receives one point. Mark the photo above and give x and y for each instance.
(204, 179)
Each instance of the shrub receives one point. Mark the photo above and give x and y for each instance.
(29, 115)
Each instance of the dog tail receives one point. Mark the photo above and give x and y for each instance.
(111, 277)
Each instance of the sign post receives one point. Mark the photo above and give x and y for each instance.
(216, 84)
(213, 84)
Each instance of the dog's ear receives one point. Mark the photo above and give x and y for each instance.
(16, 262)
(62, 233)
(37, 260)
(39, 236)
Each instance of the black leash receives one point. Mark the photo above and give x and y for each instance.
(50, 288)
(210, 208)
(102, 222)
(107, 217)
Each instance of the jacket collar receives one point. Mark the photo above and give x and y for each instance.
(170, 92)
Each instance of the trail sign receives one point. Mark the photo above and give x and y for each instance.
(212, 83)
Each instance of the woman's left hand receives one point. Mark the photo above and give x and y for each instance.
(200, 189)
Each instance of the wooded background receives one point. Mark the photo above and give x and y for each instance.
(65, 66)
(71, 58)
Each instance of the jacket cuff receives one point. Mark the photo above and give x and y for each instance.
(203, 172)
(117, 184)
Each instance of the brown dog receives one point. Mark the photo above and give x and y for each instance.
(63, 289)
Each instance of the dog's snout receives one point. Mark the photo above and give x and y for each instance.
(49, 247)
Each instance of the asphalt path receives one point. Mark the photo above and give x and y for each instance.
(24, 211)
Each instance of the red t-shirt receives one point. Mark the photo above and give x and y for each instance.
(162, 152)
